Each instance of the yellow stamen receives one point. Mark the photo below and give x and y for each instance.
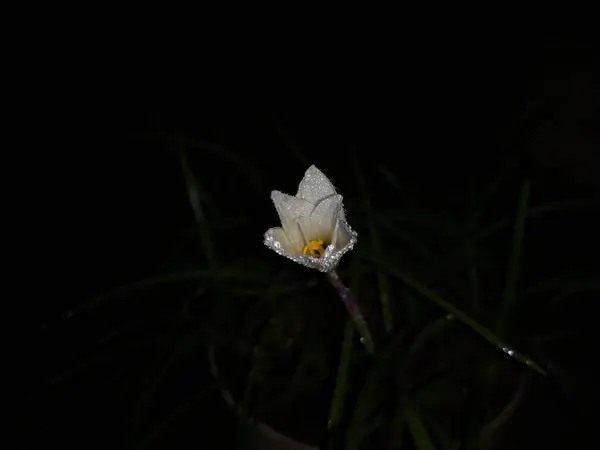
(316, 249)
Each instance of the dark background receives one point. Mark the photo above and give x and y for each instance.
(443, 117)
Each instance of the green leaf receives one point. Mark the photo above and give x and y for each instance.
(481, 197)
(195, 193)
(399, 422)
(172, 353)
(335, 411)
(443, 267)
(121, 291)
(535, 212)
(512, 275)
(473, 274)
(421, 436)
(460, 315)
(358, 432)
(384, 294)
(182, 410)
(393, 181)
(246, 166)
(337, 403)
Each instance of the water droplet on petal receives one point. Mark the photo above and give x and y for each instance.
(362, 340)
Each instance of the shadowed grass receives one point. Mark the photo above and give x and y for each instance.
(473, 272)
(509, 297)
(122, 291)
(443, 268)
(337, 402)
(195, 193)
(395, 396)
(460, 315)
(183, 409)
(366, 416)
(421, 436)
(535, 212)
(173, 353)
(384, 290)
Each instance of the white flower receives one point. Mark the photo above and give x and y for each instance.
(313, 231)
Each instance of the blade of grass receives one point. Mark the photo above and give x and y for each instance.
(152, 380)
(444, 268)
(564, 286)
(194, 195)
(384, 292)
(545, 339)
(295, 148)
(472, 416)
(421, 436)
(440, 436)
(483, 195)
(163, 365)
(368, 403)
(473, 274)
(172, 419)
(509, 297)
(337, 402)
(335, 412)
(432, 330)
(276, 290)
(249, 169)
(568, 293)
(443, 226)
(396, 185)
(89, 363)
(460, 315)
(399, 423)
(535, 212)
(121, 291)
(356, 435)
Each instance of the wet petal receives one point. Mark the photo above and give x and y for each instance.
(281, 239)
(316, 212)
(323, 218)
(315, 186)
(342, 235)
(292, 212)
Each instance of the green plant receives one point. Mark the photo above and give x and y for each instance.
(441, 301)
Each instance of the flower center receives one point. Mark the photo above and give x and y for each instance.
(316, 249)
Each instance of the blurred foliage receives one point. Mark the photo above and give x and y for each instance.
(459, 320)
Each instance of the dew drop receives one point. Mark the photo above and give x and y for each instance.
(362, 340)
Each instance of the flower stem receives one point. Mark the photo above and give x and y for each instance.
(353, 309)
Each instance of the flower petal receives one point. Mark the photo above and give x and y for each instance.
(314, 186)
(292, 212)
(342, 234)
(281, 240)
(324, 217)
